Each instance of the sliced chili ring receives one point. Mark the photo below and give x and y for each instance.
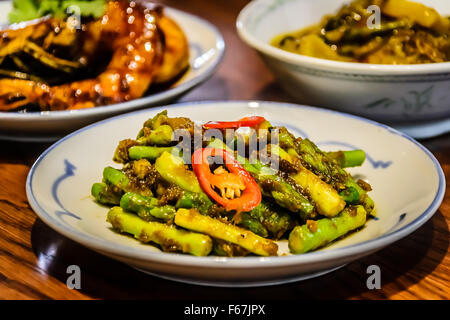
(251, 194)
(244, 122)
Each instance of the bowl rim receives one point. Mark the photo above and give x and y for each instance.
(361, 248)
(145, 100)
(440, 68)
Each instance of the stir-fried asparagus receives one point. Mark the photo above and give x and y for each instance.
(173, 169)
(317, 233)
(277, 222)
(324, 166)
(161, 136)
(273, 185)
(169, 237)
(310, 198)
(248, 222)
(228, 249)
(148, 152)
(192, 220)
(327, 200)
(105, 194)
(146, 207)
(115, 178)
(197, 200)
(348, 159)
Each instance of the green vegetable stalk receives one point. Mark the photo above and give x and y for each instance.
(272, 185)
(148, 152)
(105, 194)
(173, 170)
(348, 159)
(193, 220)
(169, 237)
(146, 207)
(317, 233)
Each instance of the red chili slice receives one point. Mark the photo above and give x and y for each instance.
(244, 122)
(236, 179)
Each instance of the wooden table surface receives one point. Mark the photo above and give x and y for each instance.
(34, 258)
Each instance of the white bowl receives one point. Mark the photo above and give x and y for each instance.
(206, 52)
(408, 187)
(387, 93)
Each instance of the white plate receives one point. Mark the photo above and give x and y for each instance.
(206, 49)
(404, 94)
(408, 187)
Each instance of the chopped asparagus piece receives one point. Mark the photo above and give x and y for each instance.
(252, 224)
(173, 170)
(348, 159)
(169, 237)
(147, 152)
(275, 220)
(189, 200)
(104, 194)
(191, 219)
(161, 136)
(115, 177)
(316, 234)
(146, 207)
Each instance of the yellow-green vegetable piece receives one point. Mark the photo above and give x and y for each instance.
(328, 202)
(191, 219)
(169, 237)
(316, 234)
(172, 169)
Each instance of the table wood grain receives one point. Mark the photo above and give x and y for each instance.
(34, 258)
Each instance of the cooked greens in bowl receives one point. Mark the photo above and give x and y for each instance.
(220, 195)
(407, 33)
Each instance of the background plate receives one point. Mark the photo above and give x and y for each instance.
(206, 49)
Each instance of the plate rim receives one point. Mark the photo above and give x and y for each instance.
(358, 249)
(220, 45)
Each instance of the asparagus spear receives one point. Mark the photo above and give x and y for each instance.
(169, 237)
(327, 200)
(276, 221)
(115, 178)
(189, 200)
(248, 222)
(352, 34)
(147, 152)
(193, 220)
(146, 207)
(105, 194)
(322, 165)
(348, 159)
(173, 170)
(284, 194)
(315, 234)
(227, 249)
(161, 136)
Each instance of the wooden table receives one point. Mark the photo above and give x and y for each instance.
(34, 258)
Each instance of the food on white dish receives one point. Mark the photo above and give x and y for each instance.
(408, 33)
(222, 196)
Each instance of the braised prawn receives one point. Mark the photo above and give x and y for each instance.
(133, 43)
